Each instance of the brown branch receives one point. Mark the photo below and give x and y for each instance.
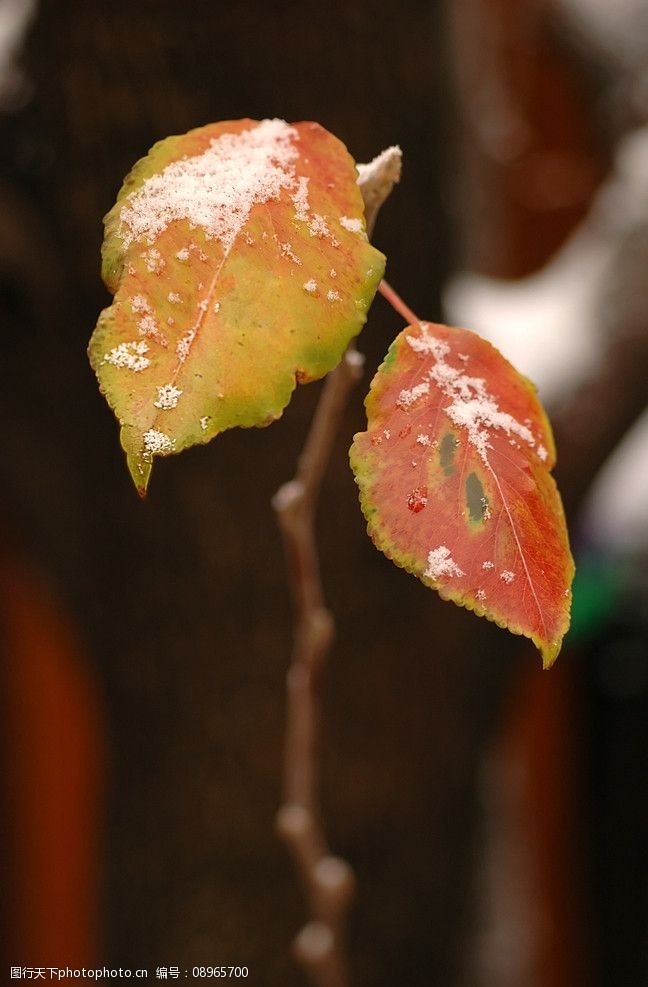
(328, 881)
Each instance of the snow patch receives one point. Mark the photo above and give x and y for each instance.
(408, 396)
(428, 344)
(157, 442)
(352, 225)
(140, 304)
(287, 251)
(215, 190)
(472, 406)
(300, 199)
(167, 396)
(147, 326)
(184, 344)
(129, 355)
(441, 563)
(318, 226)
(154, 261)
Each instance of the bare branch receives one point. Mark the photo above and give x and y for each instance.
(328, 881)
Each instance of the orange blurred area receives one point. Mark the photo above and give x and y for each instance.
(53, 779)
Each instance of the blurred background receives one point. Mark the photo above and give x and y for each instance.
(496, 815)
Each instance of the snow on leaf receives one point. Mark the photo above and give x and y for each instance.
(221, 236)
(489, 531)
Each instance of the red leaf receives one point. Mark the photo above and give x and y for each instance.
(454, 481)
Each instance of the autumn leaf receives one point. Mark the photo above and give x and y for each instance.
(455, 485)
(239, 261)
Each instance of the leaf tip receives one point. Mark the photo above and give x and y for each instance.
(549, 655)
(140, 471)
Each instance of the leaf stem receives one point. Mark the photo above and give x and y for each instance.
(397, 303)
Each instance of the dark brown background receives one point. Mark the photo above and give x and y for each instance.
(179, 604)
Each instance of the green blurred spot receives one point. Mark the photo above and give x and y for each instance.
(598, 584)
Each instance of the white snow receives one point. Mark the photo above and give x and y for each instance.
(408, 396)
(352, 225)
(129, 355)
(428, 344)
(288, 252)
(318, 226)
(441, 563)
(140, 304)
(157, 442)
(147, 326)
(154, 261)
(472, 407)
(184, 344)
(300, 199)
(168, 396)
(215, 190)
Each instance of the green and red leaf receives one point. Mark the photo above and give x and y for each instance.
(239, 261)
(455, 484)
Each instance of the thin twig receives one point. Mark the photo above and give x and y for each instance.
(397, 303)
(328, 881)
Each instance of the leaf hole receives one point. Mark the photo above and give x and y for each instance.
(447, 451)
(476, 499)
